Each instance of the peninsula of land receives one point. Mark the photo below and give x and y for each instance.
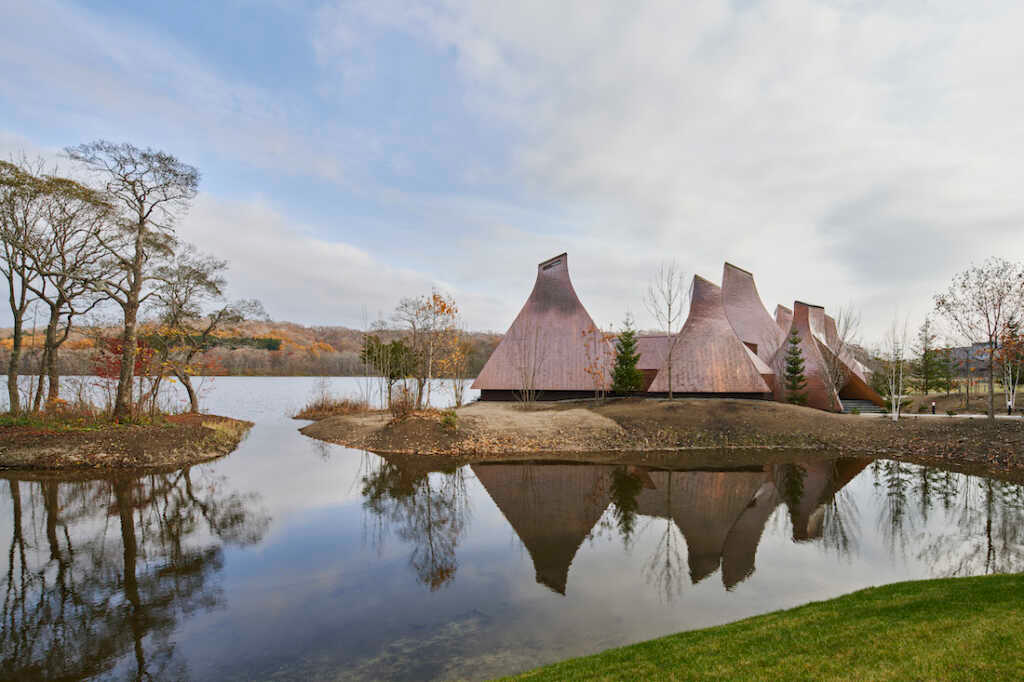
(644, 428)
(171, 442)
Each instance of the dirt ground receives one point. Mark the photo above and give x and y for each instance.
(179, 441)
(492, 430)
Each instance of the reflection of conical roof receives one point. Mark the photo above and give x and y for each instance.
(708, 356)
(553, 340)
(705, 507)
(741, 543)
(551, 507)
(783, 318)
(747, 314)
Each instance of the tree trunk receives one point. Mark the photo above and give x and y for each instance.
(13, 397)
(53, 388)
(129, 339)
(991, 381)
(193, 397)
(40, 378)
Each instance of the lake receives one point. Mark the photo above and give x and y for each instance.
(294, 559)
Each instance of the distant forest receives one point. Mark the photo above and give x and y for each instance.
(252, 348)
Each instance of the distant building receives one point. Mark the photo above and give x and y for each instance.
(729, 346)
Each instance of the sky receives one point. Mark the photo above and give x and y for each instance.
(352, 153)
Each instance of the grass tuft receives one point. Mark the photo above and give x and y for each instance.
(324, 406)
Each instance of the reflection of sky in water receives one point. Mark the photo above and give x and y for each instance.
(329, 586)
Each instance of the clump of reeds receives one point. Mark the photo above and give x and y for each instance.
(321, 407)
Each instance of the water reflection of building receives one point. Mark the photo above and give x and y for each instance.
(721, 514)
(551, 507)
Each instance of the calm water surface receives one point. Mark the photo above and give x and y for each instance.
(295, 559)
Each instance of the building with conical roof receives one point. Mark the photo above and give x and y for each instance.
(553, 349)
(729, 346)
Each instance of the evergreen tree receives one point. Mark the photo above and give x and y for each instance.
(946, 372)
(626, 378)
(926, 368)
(795, 381)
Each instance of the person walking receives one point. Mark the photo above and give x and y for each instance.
(933, 407)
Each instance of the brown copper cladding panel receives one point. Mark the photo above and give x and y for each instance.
(708, 357)
(783, 318)
(820, 393)
(553, 339)
(747, 314)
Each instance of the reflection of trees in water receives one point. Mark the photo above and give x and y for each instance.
(625, 487)
(982, 519)
(428, 509)
(898, 516)
(666, 567)
(98, 570)
(841, 524)
(986, 530)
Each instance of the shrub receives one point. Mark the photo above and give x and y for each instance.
(402, 403)
(951, 413)
(449, 419)
(855, 411)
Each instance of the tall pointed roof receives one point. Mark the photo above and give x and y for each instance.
(553, 343)
(708, 357)
(747, 314)
(551, 507)
(820, 393)
(783, 318)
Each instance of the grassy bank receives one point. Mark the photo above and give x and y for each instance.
(963, 628)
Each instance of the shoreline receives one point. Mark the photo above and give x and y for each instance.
(176, 442)
(640, 430)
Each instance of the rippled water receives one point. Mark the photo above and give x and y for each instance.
(295, 559)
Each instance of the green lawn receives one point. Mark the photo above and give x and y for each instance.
(961, 628)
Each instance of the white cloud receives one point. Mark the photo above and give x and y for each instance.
(842, 151)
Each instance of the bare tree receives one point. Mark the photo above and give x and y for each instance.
(22, 212)
(838, 353)
(980, 302)
(428, 320)
(68, 255)
(529, 346)
(149, 190)
(666, 300)
(894, 355)
(185, 289)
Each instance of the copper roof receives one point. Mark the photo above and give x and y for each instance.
(783, 318)
(820, 393)
(708, 357)
(553, 340)
(747, 314)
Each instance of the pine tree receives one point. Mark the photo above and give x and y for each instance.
(795, 379)
(926, 368)
(626, 378)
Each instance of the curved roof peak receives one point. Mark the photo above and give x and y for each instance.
(747, 314)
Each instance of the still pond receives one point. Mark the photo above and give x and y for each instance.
(293, 559)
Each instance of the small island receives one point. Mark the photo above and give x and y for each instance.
(165, 443)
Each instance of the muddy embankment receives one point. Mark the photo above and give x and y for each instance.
(657, 429)
(177, 441)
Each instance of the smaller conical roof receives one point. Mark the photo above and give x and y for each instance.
(707, 356)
